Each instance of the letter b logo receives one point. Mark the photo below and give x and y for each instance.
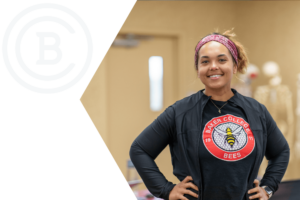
(53, 47)
(47, 48)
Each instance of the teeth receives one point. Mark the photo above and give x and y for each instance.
(215, 76)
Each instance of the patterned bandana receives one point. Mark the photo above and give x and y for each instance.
(223, 40)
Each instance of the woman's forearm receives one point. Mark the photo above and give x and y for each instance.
(277, 166)
(147, 146)
(277, 152)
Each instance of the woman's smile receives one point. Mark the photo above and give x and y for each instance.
(215, 77)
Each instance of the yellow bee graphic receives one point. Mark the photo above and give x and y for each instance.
(229, 136)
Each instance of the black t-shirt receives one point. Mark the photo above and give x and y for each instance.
(226, 152)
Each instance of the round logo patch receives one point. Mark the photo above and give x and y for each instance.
(228, 138)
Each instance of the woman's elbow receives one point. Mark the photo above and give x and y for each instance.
(132, 150)
(287, 150)
(279, 153)
(135, 150)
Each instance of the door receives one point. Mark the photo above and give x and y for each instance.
(128, 96)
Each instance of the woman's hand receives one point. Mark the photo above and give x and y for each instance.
(261, 192)
(181, 189)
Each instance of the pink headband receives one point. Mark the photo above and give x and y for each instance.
(223, 40)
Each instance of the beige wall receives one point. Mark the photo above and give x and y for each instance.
(272, 33)
(268, 30)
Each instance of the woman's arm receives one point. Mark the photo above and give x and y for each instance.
(147, 146)
(278, 154)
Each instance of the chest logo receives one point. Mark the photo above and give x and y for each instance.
(228, 138)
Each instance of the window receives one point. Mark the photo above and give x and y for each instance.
(156, 82)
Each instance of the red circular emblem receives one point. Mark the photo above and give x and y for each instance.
(228, 138)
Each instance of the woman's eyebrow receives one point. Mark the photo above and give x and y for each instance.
(217, 56)
(204, 57)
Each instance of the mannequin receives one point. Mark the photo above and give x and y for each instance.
(278, 100)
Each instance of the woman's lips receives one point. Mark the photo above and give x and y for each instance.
(214, 77)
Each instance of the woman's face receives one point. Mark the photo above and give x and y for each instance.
(215, 66)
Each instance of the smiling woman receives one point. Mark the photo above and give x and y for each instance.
(218, 57)
(217, 137)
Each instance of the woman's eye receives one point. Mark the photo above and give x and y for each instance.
(205, 61)
(222, 60)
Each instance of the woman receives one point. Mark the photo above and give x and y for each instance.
(217, 137)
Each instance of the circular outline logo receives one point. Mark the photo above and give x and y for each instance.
(232, 142)
(219, 153)
(74, 80)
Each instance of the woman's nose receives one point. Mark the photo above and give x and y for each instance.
(214, 66)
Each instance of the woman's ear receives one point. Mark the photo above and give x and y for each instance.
(234, 69)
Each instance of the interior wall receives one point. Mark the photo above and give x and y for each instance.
(270, 32)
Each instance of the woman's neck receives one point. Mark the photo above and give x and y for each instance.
(223, 95)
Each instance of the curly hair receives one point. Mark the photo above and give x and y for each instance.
(242, 56)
